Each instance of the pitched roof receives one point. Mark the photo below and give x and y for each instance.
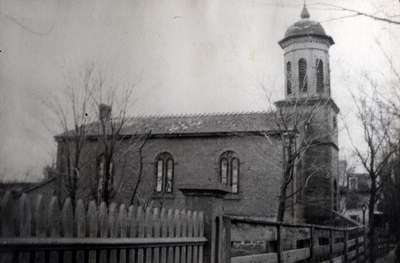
(195, 124)
(202, 123)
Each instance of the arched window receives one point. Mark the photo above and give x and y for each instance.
(289, 78)
(320, 75)
(302, 75)
(164, 173)
(229, 170)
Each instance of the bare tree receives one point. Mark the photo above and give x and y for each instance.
(379, 117)
(381, 143)
(351, 12)
(72, 112)
(301, 133)
(113, 140)
(140, 169)
(85, 115)
(109, 137)
(391, 194)
(302, 130)
(390, 100)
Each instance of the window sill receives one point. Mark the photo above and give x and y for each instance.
(163, 196)
(233, 196)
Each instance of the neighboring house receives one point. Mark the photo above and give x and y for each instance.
(239, 152)
(15, 187)
(357, 197)
(47, 188)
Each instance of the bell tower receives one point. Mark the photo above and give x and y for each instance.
(307, 89)
(306, 59)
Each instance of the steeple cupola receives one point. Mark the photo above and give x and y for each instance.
(306, 56)
(304, 13)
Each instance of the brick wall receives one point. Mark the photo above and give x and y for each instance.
(196, 162)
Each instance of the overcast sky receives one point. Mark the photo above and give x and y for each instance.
(185, 56)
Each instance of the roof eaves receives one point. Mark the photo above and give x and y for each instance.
(36, 186)
(272, 132)
(326, 37)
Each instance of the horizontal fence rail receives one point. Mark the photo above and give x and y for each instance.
(31, 244)
(258, 240)
(45, 231)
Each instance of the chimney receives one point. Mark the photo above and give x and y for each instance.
(104, 112)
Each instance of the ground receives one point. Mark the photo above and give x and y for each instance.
(390, 258)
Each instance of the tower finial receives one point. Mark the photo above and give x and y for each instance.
(304, 13)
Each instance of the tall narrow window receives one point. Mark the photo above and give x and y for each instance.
(229, 170)
(224, 171)
(302, 75)
(320, 76)
(289, 78)
(235, 175)
(170, 170)
(164, 173)
(159, 180)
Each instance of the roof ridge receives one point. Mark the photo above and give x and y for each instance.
(200, 114)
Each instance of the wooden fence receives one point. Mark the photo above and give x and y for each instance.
(256, 240)
(43, 231)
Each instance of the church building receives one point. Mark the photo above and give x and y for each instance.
(241, 153)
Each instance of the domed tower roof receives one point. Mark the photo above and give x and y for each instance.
(306, 27)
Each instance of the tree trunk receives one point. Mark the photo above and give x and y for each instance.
(371, 223)
(107, 194)
(106, 182)
(283, 195)
(287, 177)
(282, 204)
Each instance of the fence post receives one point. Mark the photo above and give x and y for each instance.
(279, 242)
(103, 229)
(331, 243)
(67, 223)
(8, 216)
(226, 239)
(92, 227)
(312, 243)
(209, 199)
(123, 230)
(357, 248)
(80, 227)
(346, 238)
(365, 244)
(387, 240)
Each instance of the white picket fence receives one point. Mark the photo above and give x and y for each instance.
(43, 231)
